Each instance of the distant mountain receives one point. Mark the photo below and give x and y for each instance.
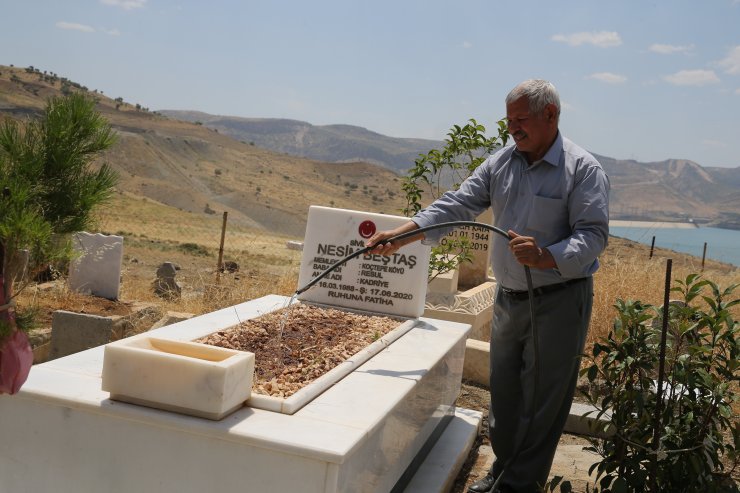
(673, 190)
(670, 190)
(332, 143)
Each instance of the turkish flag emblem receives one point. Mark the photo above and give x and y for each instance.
(367, 229)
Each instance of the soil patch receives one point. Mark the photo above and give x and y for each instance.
(300, 343)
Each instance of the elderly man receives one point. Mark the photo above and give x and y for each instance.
(552, 198)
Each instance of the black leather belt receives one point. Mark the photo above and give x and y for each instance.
(549, 288)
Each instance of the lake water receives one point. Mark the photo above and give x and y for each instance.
(722, 244)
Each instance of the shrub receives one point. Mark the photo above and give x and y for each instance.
(438, 170)
(695, 412)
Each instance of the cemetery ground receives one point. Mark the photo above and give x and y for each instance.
(268, 267)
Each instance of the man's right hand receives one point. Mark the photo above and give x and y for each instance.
(380, 239)
(381, 245)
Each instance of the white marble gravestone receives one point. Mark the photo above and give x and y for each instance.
(392, 285)
(466, 294)
(367, 432)
(97, 268)
(476, 271)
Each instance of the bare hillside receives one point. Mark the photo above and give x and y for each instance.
(199, 170)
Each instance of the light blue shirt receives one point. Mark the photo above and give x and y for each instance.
(562, 201)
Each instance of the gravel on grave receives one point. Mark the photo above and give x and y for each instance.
(314, 340)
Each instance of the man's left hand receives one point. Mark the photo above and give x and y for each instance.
(527, 252)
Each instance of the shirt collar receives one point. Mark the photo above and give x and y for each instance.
(552, 156)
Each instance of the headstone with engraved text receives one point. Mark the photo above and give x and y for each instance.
(393, 285)
(475, 272)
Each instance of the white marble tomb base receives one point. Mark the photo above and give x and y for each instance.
(61, 433)
(473, 306)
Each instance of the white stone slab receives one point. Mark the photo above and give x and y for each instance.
(393, 285)
(73, 332)
(584, 419)
(63, 425)
(444, 284)
(185, 377)
(97, 268)
(441, 466)
(294, 245)
(400, 366)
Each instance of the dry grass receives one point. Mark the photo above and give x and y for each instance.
(143, 220)
(627, 272)
(155, 233)
(203, 290)
(52, 298)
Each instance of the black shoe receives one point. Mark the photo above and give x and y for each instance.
(483, 485)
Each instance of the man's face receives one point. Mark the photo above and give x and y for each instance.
(533, 134)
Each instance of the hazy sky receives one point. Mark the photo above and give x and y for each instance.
(639, 79)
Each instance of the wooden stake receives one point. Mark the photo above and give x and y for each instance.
(221, 249)
(661, 371)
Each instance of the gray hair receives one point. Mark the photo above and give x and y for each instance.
(538, 92)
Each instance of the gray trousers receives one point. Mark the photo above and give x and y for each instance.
(562, 319)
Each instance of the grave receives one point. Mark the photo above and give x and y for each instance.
(72, 332)
(368, 431)
(466, 294)
(97, 268)
(165, 286)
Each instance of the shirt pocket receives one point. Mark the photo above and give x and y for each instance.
(547, 215)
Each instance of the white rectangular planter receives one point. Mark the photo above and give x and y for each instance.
(185, 377)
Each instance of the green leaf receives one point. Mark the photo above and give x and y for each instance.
(619, 486)
(725, 411)
(554, 482)
(710, 301)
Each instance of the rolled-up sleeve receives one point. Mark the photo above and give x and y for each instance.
(588, 206)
